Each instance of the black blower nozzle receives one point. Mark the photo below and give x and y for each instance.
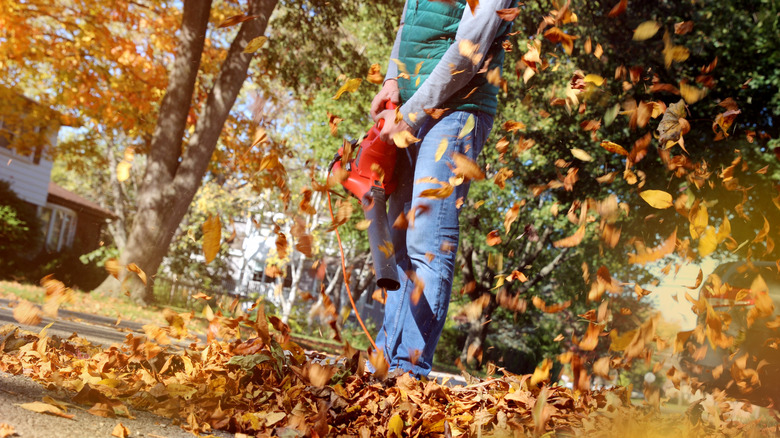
(375, 209)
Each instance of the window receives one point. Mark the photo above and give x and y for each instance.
(59, 225)
(6, 135)
(24, 136)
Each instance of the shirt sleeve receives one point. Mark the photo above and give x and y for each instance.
(392, 67)
(477, 30)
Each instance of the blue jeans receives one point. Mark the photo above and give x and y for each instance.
(427, 250)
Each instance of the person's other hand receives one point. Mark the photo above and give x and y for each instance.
(389, 92)
(391, 129)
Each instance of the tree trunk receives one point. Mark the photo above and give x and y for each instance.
(172, 177)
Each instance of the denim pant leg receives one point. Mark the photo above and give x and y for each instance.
(411, 330)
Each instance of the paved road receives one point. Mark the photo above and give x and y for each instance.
(16, 390)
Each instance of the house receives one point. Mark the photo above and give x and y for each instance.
(27, 132)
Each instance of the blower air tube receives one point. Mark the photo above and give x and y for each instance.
(379, 236)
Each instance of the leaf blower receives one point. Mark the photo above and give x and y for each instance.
(369, 177)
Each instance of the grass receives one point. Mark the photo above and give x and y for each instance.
(112, 307)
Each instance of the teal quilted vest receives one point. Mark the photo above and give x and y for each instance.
(429, 30)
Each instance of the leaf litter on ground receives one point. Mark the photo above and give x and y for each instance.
(267, 385)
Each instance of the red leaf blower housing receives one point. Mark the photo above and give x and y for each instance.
(370, 179)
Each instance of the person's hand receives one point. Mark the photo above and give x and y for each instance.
(394, 132)
(389, 92)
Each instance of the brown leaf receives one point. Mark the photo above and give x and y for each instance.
(511, 216)
(556, 35)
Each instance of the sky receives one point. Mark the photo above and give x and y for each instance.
(674, 286)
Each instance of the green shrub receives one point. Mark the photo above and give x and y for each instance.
(20, 232)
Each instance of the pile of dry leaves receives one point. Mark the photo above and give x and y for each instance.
(266, 385)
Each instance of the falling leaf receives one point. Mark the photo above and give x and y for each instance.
(580, 154)
(112, 267)
(673, 53)
(572, 240)
(510, 217)
(123, 170)
(466, 167)
(691, 93)
(212, 236)
(349, 87)
(235, 19)
(508, 14)
(601, 367)
(614, 147)
(618, 9)
(255, 44)
(511, 125)
(646, 30)
(470, 51)
(683, 27)
(27, 313)
(441, 149)
(541, 373)
(404, 139)
(375, 74)
(657, 198)
(556, 35)
(493, 238)
(120, 431)
(594, 79)
(662, 250)
(468, 127)
(670, 129)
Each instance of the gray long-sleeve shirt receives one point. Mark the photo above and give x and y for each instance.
(480, 29)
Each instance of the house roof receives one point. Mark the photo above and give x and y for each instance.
(60, 196)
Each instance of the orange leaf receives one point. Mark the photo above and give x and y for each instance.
(120, 431)
(466, 167)
(508, 14)
(572, 240)
(614, 147)
(493, 238)
(212, 234)
(374, 74)
(27, 313)
(132, 267)
(618, 9)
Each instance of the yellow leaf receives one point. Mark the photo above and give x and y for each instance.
(404, 138)
(580, 154)
(657, 198)
(469, 50)
(395, 426)
(468, 127)
(255, 44)
(441, 149)
(350, 86)
(132, 267)
(212, 234)
(594, 79)
(123, 170)
(646, 30)
(690, 93)
(708, 242)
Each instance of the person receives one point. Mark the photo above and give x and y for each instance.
(440, 60)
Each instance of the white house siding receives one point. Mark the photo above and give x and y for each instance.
(29, 180)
